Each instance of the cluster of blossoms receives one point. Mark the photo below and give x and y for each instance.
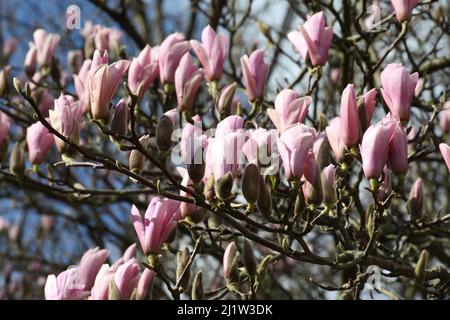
(94, 279)
(240, 155)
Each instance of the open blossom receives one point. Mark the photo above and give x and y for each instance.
(290, 109)
(171, 51)
(349, 117)
(254, 71)
(65, 286)
(211, 52)
(375, 148)
(187, 82)
(65, 118)
(225, 153)
(39, 141)
(45, 44)
(293, 146)
(403, 9)
(157, 225)
(313, 40)
(398, 90)
(5, 126)
(445, 152)
(334, 135)
(103, 83)
(143, 70)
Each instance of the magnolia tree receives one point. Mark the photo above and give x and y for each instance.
(263, 150)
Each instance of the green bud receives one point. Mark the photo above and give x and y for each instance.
(223, 186)
(208, 190)
(136, 159)
(197, 287)
(249, 260)
(264, 202)
(17, 159)
(421, 266)
(182, 261)
(251, 183)
(164, 131)
(17, 85)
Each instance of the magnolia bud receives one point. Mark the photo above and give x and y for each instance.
(89, 47)
(300, 203)
(113, 291)
(208, 190)
(362, 114)
(249, 260)
(197, 287)
(196, 171)
(230, 267)
(136, 159)
(119, 122)
(415, 201)
(164, 131)
(264, 202)
(17, 159)
(250, 183)
(182, 262)
(421, 266)
(17, 85)
(4, 87)
(226, 99)
(223, 186)
(328, 185)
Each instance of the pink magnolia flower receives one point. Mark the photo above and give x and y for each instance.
(313, 40)
(369, 100)
(126, 278)
(65, 286)
(293, 146)
(349, 117)
(229, 124)
(145, 280)
(9, 46)
(90, 264)
(312, 181)
(334, 135)
(445, 152)
(157, 225)
(45, 45)
(227, 103)
(143, 70)
(398, 90)
(39, 141)
(187, 82)
(225, 153)
(375, 148)
(5, 126)
(255, 72)
(81, 81)
(211, 52)
(103, 83)
(258, 148)
(65, 118)
(171, 51)
(398, 150)
(192, 138)
(328, 184)
(30, 60)
(101, 285)
(403, 9)
(290, 109)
